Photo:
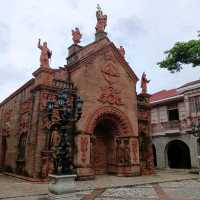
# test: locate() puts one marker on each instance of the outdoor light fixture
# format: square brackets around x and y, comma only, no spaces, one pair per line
[63,113]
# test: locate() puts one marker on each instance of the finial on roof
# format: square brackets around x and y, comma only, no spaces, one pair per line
[144,82]
[98,7]
[121,50]
[76,35]
[101,20]
[45,54]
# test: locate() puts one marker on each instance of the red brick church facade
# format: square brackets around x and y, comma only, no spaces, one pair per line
[113,132]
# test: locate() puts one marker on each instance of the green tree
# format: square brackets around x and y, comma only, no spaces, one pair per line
[180,54]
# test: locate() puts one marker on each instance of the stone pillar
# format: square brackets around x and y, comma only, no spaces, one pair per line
[144,124]
[100,35]
[82,159]
[43,76]
[72,53]
[43,80]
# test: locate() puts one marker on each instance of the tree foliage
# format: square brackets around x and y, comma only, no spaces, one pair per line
[182,53]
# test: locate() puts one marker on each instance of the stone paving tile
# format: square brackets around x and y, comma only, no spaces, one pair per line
[28,198]
[185,183]
[124,198]
[176,189]
[113,181]
[130,193]
[70,196]
[183,193]
[182,189]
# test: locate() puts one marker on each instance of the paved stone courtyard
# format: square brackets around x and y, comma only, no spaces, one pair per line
[164,185]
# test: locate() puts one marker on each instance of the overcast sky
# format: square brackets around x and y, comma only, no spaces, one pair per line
[145,28]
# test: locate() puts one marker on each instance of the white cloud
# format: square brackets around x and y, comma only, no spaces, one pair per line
[145,28]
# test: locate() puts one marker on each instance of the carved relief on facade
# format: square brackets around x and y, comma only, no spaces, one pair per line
[84,148]
[6,122]
[109,56]
[47,164]
[110,73]
[44,97]
[110,95]
[135,150]
[26,106]
[24,122]
[123,151]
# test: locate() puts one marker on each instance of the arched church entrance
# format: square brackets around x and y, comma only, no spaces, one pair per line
[110,130]
[105,133]
[178,155]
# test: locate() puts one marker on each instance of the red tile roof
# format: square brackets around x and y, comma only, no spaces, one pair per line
[163,94]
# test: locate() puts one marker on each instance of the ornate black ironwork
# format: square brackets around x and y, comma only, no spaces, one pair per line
[67,109]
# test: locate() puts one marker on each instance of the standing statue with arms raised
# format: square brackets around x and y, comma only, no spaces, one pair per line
[45,54]
[144,83]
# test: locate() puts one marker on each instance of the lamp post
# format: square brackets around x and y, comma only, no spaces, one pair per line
[196,133]
[63,113]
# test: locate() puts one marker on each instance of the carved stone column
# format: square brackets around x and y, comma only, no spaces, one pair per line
[144,124]
[82,158]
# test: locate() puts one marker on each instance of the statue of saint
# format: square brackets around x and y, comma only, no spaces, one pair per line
[101,20]
[45,54]
[144,82]
[122,51]
[55,138]
[76,35]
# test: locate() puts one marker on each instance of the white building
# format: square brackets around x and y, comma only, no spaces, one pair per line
[172,114]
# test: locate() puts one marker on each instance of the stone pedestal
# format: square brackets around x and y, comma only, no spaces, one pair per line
[60,186]
[100,35]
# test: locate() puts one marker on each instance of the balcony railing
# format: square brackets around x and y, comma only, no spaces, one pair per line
[166,126]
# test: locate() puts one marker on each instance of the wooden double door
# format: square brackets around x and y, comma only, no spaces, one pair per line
[103,155]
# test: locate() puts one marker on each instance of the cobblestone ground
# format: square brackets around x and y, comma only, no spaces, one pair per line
[181,187]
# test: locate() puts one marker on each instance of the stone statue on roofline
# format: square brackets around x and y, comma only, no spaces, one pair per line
[76,36]
[101,20]
[121,50]
[144,82]
[45,54]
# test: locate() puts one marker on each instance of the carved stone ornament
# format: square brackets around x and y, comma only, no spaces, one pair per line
[76,35]
[110,95]
[122,51]
[26,106]
[45,54]
[101,20]
[84,148]
[110,73]
[144,83]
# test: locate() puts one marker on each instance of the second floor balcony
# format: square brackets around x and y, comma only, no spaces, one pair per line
[175,126]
